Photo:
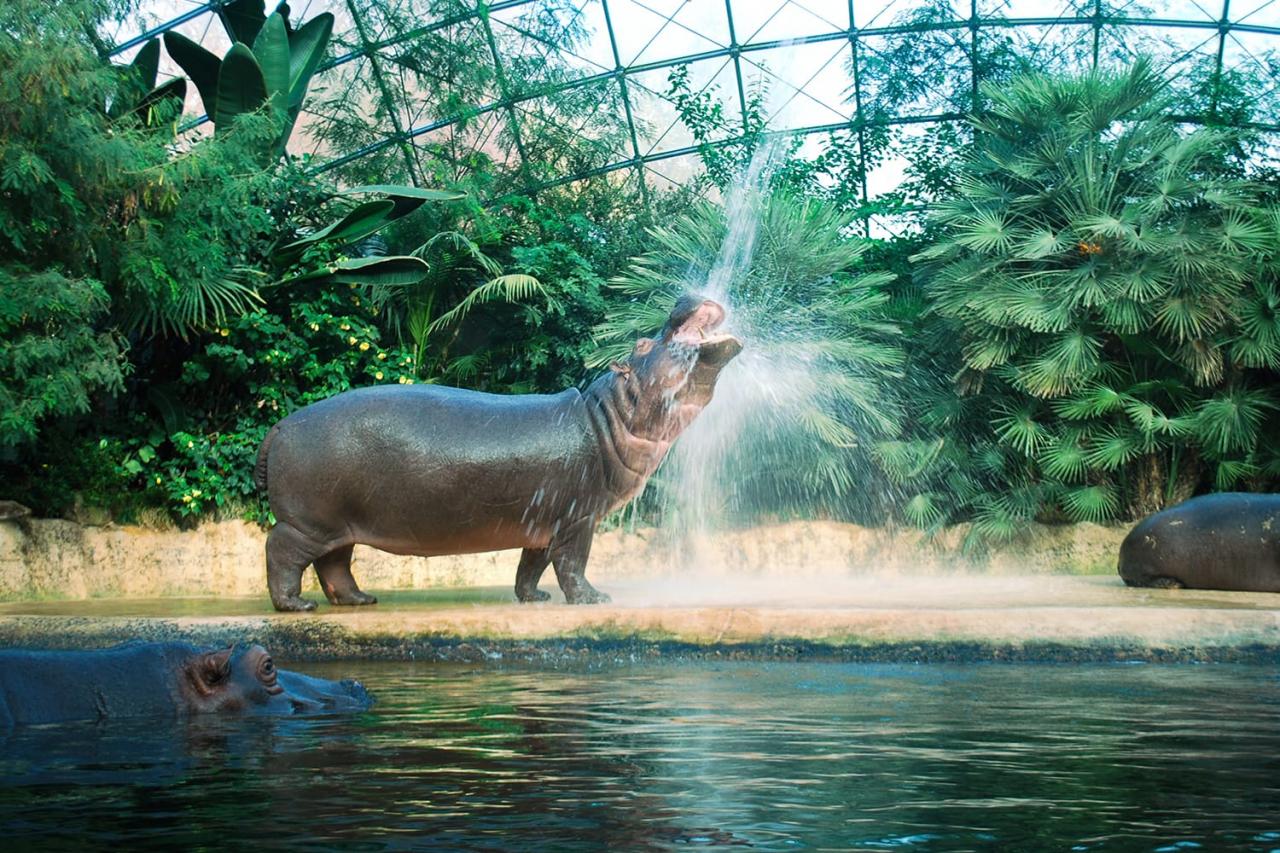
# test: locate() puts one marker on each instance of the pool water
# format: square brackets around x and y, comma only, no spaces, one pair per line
[773,756]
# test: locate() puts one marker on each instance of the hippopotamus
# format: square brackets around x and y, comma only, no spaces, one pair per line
[160,679]
[430,470]
[1222,541]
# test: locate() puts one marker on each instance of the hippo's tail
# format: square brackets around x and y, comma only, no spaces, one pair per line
[260,469]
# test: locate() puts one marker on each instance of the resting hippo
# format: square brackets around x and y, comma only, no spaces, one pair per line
[428,470]
[160,679]
[1224,541]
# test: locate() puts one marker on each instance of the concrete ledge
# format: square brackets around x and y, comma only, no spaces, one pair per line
[876,619]
[55,559]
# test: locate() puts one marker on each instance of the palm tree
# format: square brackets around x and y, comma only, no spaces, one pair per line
[1101,266]
[794,415]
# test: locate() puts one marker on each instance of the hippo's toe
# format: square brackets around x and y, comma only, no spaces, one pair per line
[533,595]
[295,604]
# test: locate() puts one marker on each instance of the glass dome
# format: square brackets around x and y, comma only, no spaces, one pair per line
[555,91]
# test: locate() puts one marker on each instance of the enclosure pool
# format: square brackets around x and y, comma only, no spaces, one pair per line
[689,754]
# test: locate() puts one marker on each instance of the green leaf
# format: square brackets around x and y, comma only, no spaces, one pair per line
[243,19]
[199,64]
[407,199]
[174,92]
[241,88]
[1095,503]
[306,48]
[364,220]
[394,271]
[271,49]
[146,65]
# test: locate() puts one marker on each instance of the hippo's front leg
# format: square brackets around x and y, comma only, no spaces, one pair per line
[569,556]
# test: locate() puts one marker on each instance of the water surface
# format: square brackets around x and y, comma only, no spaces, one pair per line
[671,756]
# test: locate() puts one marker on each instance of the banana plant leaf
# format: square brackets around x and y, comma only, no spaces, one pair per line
[394,271]
[241,88]
[199,64]
[271,49]
[243,19]
[146,65]
[174,91]
[364,220]
[407,199]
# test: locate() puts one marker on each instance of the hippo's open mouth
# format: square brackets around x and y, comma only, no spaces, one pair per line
[696,322]
[697,329]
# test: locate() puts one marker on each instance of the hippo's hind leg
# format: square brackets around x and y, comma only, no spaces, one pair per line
[337,581]
[289,552]
[569,556]
[533,562]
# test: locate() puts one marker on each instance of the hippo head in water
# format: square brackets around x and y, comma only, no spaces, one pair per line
[243,679]
[139,679]
[669,379]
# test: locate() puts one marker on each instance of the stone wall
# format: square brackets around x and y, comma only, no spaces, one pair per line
[47,558]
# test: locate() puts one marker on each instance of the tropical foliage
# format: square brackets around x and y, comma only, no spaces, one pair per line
[1102,269]
[1067,309]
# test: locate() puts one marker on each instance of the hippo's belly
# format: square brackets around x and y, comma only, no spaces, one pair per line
[430,471]
[1225,541]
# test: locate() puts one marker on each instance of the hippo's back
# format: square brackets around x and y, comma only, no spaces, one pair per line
[1223,541]
[133,679]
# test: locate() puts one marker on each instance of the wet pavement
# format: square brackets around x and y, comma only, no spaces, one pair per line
[860,618]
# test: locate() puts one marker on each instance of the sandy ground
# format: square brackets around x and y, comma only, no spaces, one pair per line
[867,618]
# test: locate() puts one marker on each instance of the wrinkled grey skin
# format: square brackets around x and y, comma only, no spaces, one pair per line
[427,470]
[1223,541]
[160,679]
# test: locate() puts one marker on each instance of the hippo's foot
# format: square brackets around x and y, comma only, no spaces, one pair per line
[1164,582]
[529,595]
[587,594]
[353,598]
[294,604]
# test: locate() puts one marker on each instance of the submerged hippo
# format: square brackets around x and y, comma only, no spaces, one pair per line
[428,470]
[160,679]
[1224,541]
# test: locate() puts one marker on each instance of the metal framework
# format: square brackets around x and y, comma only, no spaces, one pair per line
[1240,40]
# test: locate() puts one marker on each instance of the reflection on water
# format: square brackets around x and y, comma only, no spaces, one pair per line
[772,756]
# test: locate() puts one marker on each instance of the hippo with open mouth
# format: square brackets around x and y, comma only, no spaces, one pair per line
[160,679]
[429,470]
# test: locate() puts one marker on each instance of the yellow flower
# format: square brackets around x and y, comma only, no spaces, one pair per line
[157,481]
[191,444]
[195,493]
[408,381]
[315,327]
[382,356]
[186,499]
[346,327]
[364,345]
[401,380]
[378,375]
[351,341]
[224,332]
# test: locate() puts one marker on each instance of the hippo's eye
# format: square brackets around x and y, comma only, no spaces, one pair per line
[267,671]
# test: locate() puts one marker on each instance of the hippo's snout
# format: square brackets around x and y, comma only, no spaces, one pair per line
[308,695]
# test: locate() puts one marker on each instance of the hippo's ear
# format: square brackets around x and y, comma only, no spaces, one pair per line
[623,370]
[209,670]
[644,345]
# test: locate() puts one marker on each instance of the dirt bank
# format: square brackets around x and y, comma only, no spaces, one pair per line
[55,559]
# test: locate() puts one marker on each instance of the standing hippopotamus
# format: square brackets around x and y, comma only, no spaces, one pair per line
[160,679]
[1223,541]
[428,470]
